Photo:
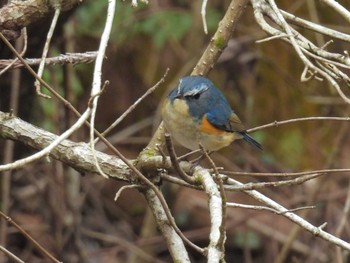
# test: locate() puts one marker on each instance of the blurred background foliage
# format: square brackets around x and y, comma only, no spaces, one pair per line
[262,83]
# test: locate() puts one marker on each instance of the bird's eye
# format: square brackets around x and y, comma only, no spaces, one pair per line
[196,96]
[193,96]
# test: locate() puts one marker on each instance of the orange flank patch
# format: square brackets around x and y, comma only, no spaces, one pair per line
[207,127]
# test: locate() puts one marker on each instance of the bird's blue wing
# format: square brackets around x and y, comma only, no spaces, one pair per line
[225,120]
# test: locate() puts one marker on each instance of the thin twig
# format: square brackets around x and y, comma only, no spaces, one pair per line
[123,242]
[180,182]
[46,50]
[203,13]
[342,222]
[278,123]
[53,91]
[258,207]
[96,82]
[10,255]
[14,61]
[306,50]
[29,237]
[252,186]
[169,144]
[121,189]
[134,105]
[9,145]
[46,151]
[325,171]
[316,231]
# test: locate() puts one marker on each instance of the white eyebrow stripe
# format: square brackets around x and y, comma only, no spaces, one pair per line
[200,89]
[179,87]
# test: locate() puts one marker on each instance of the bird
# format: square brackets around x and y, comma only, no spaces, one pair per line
[197,113]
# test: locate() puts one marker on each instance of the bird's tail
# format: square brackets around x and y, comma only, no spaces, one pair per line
[251,140]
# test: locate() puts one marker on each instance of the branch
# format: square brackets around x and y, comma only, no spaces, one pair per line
[254,186]
[79,157]
[68,58]
[338,8]
[278,123]
[319,63]
[221,37]
[215,247]
[76,155]
[174,242]
[96,82]
[30,238]
[27,12]
[316,231]
[315,27]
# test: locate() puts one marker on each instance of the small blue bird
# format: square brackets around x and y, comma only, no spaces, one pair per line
[196,112]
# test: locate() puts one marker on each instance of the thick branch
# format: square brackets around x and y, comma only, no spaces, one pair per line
[222,35]
[175,244]
[19,14]
[215,203]
[76,155]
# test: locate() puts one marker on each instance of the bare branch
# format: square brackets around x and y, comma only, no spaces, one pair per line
[76,155]
[315,27]
[117,195]
[133,106]
[215,248]
[221,37]
[342,222]
[145,257]
[47,150]
[96,82]
[27,12]
[338,8]
[175,244]
[29,237]
[46,50]
[316,59]
[252,186]
[203,13]
[174,161]
[316,231]
[258,207]
[13,61]
[10,255]
[278,123]
[69,58]
[324,171]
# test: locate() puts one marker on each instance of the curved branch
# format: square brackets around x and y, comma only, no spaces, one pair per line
[316,59]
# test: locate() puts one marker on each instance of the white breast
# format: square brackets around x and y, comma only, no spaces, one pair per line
[181,127]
